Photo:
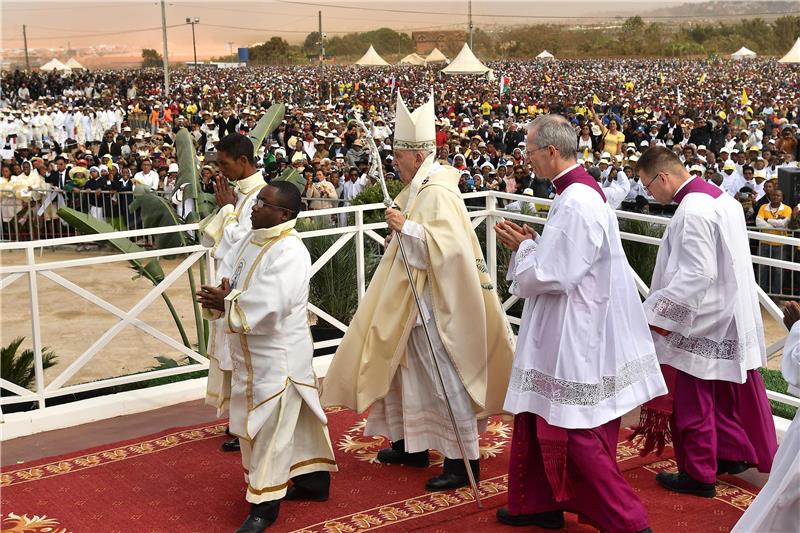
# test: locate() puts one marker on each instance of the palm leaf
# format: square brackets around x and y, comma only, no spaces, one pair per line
[189,177]
[292,176]
[157,212]
[266,125]
[20,369]
[88,225]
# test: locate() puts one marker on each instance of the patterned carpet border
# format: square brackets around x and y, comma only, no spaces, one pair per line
[112,455]
[408,509]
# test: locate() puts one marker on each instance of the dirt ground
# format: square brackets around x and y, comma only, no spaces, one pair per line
[71,324]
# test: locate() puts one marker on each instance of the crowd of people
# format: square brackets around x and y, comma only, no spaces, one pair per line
[102,132]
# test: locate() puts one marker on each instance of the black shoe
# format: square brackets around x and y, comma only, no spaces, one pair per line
[262,515]
[228,431]
[548,520]
[231,445]
[396,455]
[453,475]
[682,482]
[254,524]
[725,466]
[303,494]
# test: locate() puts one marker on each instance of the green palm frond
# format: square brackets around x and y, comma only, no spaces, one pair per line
[19,368]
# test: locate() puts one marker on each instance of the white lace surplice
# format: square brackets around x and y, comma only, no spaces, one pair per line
[584,353]
[704,292]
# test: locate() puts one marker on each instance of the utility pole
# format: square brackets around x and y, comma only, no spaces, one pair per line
[230,50]
[166,52]
[25,40]
[321,56]
[469,4]
[193,21]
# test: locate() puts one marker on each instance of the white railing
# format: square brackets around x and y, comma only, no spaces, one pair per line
[33,269]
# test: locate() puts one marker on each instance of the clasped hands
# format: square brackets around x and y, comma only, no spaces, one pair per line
[512,235]
[214,297]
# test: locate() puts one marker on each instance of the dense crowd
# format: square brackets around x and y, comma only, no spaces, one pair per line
[734,123]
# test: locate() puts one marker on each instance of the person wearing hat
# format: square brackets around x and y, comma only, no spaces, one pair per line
[356,153]
[384,360]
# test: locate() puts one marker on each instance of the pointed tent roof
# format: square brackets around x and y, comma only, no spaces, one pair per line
[413,59]
[544,54]
[371,59]
[74,64]
[53,64]
[793,55]
[743,52]
[466,63]
[436,57]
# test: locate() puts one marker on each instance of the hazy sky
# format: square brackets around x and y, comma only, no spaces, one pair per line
[136,24]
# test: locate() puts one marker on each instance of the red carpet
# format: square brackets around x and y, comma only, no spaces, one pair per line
[178,481]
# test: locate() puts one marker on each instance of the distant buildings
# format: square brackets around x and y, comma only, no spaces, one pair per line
[426,41]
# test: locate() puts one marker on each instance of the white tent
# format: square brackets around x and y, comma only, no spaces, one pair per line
[54,64]
[436,57]
[545,55]
[74,65]
[793,55]
[466,63]
[413,59]
[743,53]
[371,59]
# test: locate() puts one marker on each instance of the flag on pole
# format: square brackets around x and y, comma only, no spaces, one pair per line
[702,78]
[595,99]
[394,82]
[505,85]
[547,78]
[661,79]
[744,97]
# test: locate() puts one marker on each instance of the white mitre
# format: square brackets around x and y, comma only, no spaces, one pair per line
[417,130]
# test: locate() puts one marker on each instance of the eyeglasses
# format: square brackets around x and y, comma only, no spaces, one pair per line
[261,203]
[647,187]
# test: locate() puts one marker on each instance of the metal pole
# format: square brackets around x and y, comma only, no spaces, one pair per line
[166,52]
[230,50]
[470,22]
[25,40]
[194,46]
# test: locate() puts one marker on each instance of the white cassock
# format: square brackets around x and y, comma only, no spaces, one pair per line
[584,352]
[414,409]
[706,295]
[221,232]
[777,506]
[275,409]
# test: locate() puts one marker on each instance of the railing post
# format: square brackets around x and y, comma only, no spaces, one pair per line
[361,274]
[491,237]
[35,326]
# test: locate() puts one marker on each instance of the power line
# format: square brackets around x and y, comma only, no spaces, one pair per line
[90,34]
[516,16]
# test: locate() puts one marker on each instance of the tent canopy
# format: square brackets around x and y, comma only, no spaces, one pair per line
[743,53]
[371,59]
[413,59]
[545,55]
[73,64]
[466,63]
[436,57]
[54,64]
[793,55]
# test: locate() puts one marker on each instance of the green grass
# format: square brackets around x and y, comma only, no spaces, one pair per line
[774,381]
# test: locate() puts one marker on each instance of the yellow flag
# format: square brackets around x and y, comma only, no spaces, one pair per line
[661,79]
[547,78]
[585,154]
[702,77]
[744,97]
[595,99]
